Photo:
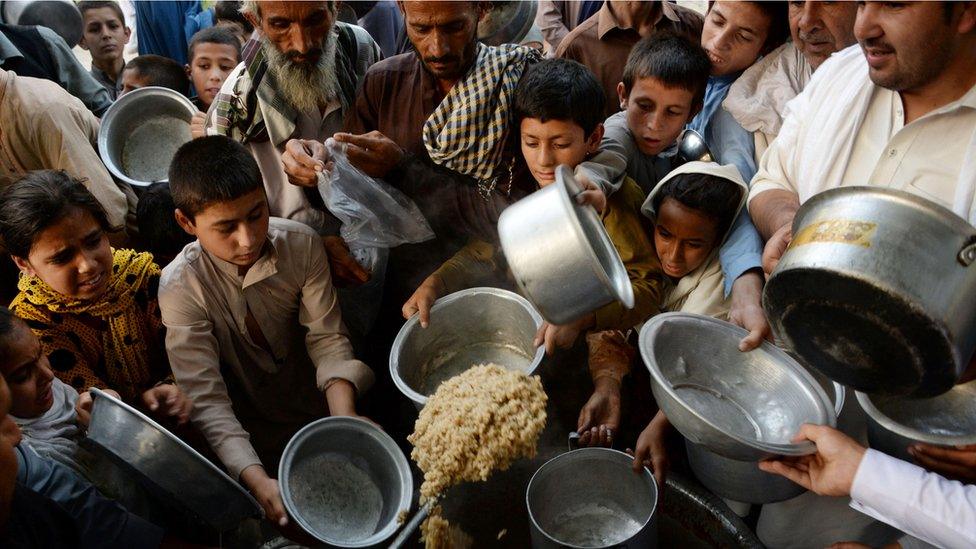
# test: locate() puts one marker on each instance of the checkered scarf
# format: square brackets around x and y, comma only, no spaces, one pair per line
[467,131]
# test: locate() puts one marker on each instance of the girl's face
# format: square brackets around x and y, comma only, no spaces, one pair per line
[683,238]
[734,35]
[72,256]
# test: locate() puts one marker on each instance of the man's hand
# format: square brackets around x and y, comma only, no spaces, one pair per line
[775,248]
[651,451]
[746,310]
[600,417]
[830,471]
[346,271]
[373,153]
[423,299]
[83,406]
[957,463]
[167,400]
[198,125]
[265,490]
[562,336]
[303,160]
[591,194]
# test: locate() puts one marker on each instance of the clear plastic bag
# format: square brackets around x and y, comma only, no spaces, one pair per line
[373,214]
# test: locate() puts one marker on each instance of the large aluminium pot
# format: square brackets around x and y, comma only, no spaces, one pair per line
[877,291]
[61,16]
[591,498]
[894,423]
[560,254]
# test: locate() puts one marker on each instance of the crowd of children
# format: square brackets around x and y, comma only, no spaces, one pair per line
[212,309]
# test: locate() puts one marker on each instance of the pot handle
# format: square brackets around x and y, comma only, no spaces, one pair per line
[410,527]
[968,253]
[572,441]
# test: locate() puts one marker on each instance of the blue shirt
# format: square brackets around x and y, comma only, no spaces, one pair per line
[730,143]
[165,28]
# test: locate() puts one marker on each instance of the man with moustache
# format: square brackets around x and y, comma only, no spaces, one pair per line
[757,100]
[898,112]
[297,80]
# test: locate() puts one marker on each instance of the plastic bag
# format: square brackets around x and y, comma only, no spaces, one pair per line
[373,214]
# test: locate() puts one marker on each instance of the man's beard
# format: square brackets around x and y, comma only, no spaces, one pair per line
[305,86]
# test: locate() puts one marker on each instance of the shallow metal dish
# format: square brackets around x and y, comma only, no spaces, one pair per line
[345,482]
[896,422]
[467,328]
[744,406]
[168,467]
[560,254]
[141,131]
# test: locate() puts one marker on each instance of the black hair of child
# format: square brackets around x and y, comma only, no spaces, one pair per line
[712,196]
[9,322]
[86,5]
[671,58]
[230,10]
[560,89]
[160,71]
[39,200]
[214,35]
[779,24]
[211,169]
[158,229]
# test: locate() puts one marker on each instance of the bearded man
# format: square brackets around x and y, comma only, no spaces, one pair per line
[297,80]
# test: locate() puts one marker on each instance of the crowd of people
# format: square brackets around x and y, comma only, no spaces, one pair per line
[215,301]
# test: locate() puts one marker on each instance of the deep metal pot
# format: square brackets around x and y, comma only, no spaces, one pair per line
[141,131]
[166,465]
[507,22]
[61,16]
[560,254]
[591,498]
[743,480]
[345,481]
[744,406]
[467,328]
[876,291]
[894,423]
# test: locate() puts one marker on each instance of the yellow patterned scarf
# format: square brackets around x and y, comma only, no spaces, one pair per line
[123,345]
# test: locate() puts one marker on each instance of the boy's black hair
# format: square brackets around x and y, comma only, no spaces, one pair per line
[158,228]
[560,89]
[712,196]
[214,35]
[671,58]
[39,200]
[211,169]
[779,24]
[86,5]
[230,10]
[160,71]
[9,323]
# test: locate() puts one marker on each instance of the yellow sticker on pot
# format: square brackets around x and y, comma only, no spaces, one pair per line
[842,231]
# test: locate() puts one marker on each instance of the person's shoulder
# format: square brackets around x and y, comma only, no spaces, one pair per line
[291,233]
[182,269]
[575,42]
[397,64]
[628,196]
[38,96]
[688,16]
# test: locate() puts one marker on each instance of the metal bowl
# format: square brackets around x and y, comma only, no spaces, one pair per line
[743,480]
[591,498]
[166,465]
[141,131]
[562,258]
[467,328]
[345,482]
[894,423]
[692,147]
[61,16]
[507,22]
[744,406]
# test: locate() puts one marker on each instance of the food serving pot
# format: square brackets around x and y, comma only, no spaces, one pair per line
[560,254]
[166,465]
[876,290]
[591,498]
[467,328]
[744,406]
[141,131]
[894,423]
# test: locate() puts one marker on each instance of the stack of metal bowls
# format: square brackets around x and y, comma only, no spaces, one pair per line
[467,328]
[345,482]
[141,131]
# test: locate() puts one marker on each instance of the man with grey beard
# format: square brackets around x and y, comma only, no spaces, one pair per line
[297,79]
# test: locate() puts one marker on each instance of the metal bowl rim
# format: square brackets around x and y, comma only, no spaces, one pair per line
[411,324]
[788,449]
[893,426]
[119,105]
[97,393]
[621,457]
[354,424]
